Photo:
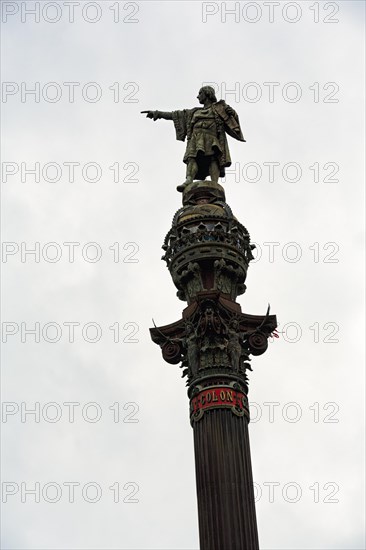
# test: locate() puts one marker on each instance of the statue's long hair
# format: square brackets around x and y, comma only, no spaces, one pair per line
[210,93]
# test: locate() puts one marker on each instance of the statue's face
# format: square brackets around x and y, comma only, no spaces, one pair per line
[201,96]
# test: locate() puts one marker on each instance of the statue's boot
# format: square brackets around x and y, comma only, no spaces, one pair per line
[182,186]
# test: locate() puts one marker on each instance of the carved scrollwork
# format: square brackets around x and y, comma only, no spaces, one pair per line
[257,343]
[172,352]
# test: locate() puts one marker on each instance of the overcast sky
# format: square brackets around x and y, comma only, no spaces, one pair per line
[109,451]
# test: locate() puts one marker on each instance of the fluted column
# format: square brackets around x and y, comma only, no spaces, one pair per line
[225,494]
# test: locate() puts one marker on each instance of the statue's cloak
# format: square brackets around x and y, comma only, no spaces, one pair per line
[231,121]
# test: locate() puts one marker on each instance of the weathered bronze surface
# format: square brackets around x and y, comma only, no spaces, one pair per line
[207,152]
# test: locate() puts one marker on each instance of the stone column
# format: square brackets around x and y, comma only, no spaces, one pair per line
[208,252]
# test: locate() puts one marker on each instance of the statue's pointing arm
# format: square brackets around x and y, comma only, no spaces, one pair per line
[155,115]
[180,118]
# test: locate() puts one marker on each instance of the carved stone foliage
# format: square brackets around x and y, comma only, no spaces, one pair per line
[214,339]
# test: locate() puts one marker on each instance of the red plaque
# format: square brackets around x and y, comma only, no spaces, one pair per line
[218,397]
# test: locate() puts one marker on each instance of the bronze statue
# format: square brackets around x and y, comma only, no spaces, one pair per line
[207,152]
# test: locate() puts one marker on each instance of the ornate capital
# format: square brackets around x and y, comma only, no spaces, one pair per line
[208,252]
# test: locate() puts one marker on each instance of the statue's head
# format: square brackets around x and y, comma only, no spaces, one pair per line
[206,92]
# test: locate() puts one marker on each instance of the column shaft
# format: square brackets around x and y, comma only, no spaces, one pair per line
[225,493]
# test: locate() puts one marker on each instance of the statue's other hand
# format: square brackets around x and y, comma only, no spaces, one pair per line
[149,114]
[230,111]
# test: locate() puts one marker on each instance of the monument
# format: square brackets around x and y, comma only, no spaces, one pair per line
[208,251]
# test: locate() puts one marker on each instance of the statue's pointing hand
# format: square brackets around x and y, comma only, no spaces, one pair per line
[151,114]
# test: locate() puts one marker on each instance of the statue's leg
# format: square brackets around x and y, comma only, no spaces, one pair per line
[192,169]
[214,170]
